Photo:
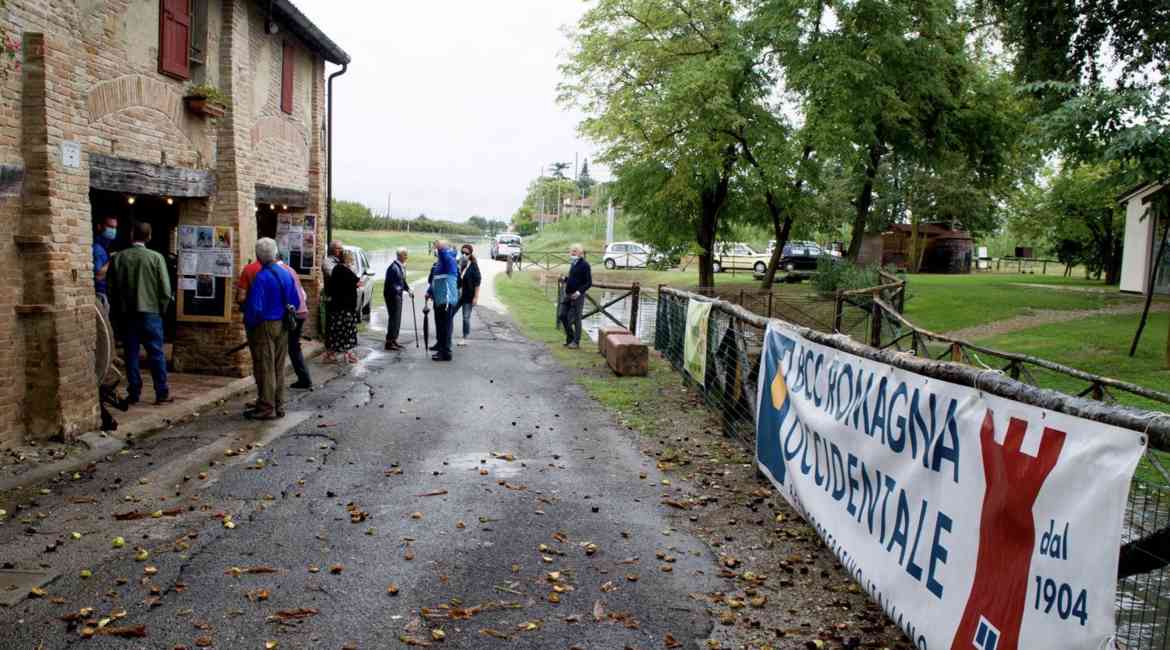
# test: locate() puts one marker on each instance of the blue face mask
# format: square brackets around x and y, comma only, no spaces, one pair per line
[110,234]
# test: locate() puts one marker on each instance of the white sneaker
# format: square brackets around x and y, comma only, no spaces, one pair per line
[462,342]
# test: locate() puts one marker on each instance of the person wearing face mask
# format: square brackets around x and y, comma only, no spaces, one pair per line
[579,280]
[104,234]
[469,281]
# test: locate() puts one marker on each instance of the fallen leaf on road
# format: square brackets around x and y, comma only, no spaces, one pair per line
[126,632]
[507,455]
[293,614]
[239,571]
[204,642]
[37,592]
[675,504]
[392,589]
[436,493]
[336,569]
[133,515]
[412,641]
[495,634]
[271,645]
[598,610]
[671,642]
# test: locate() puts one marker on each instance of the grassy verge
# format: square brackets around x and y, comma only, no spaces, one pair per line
[377,240]
[942,303]
[631,397]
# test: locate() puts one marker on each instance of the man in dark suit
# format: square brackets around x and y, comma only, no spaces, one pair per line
[392,291]
[579,280]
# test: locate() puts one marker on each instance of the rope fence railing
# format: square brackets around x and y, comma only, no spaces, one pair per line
[728,385]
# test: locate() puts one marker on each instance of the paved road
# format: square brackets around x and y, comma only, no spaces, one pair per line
[535,497]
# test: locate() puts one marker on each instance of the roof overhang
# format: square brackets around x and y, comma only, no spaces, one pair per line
[287,15]
[1138,189]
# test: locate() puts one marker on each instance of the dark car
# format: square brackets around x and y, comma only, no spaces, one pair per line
[799,260]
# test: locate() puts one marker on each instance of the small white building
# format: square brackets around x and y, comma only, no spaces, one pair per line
[1141,242]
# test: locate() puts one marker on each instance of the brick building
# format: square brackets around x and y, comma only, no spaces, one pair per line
[93,122]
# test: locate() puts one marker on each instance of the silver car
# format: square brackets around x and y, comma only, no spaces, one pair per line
[361,268]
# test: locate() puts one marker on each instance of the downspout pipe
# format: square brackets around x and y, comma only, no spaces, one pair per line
[329,159]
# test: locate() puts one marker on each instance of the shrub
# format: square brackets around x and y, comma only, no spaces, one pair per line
[835,274]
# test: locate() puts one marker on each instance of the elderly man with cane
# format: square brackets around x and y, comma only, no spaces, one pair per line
[269,316]
[392,293]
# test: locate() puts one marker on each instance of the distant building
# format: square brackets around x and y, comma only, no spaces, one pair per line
[1141,241]
[945,250]
[573,206]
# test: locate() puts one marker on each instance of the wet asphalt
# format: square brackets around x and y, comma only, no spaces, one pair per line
[478,491]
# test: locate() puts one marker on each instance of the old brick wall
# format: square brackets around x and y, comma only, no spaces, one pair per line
[93,78]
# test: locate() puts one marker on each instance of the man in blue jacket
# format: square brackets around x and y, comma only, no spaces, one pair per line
[579,280]
[442,288]
[270,295]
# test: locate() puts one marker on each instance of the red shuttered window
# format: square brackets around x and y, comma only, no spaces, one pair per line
[286,79]
[174,38]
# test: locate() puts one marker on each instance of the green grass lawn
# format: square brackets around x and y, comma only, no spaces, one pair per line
[377,240]
[587,231]
[534,312]
[1099,345]
[942,303]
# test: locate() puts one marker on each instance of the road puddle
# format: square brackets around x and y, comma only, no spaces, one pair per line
[497,467]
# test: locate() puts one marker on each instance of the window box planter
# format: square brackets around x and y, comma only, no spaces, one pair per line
[203,106]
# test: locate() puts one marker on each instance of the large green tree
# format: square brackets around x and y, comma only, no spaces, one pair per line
[660,84]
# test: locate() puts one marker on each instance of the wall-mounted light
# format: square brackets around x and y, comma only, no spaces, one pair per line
[272,206]
[271,27]
[130,200]
[170,201]
[284,207]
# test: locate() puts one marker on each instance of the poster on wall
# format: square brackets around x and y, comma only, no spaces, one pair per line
[974,520]
[206,266]
[308,245]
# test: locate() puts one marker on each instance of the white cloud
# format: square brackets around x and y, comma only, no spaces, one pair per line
[450,105]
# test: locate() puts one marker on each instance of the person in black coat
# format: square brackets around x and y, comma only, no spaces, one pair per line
[579,280]
[341,326]
[469,281]
[392,291]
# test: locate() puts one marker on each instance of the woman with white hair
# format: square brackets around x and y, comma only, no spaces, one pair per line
[341,325]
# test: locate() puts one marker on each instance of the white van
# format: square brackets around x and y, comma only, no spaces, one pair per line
[506,245]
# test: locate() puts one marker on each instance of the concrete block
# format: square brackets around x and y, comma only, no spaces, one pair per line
[605,332]
[627,356]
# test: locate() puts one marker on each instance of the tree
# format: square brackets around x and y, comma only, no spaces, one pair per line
[523,222]
[877,82]
[659,83]
[584,181]
[479,222]
[558,170]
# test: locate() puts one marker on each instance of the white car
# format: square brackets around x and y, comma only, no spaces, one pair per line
[739,256]
[627,255]
[506,245]
[361,268]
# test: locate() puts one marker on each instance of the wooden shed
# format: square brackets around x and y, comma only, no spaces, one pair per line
[946,250]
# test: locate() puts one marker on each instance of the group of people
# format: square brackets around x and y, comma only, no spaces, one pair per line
[135,287]
[452,285]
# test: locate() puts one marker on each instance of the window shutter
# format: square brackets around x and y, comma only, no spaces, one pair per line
[286,80]
[174,39]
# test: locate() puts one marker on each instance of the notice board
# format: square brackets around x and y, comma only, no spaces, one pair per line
[206,269]
[296,238]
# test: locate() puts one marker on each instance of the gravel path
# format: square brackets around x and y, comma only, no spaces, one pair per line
[1045,317]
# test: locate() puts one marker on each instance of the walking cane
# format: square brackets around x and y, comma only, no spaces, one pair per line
[426,325]
[414,312]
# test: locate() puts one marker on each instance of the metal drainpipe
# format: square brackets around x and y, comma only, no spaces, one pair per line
[329,163]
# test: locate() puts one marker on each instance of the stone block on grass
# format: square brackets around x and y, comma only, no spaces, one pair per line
[604,333]
[627,356]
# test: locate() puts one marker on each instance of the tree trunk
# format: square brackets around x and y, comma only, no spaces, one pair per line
[864,201]
[711,204]
[781,228]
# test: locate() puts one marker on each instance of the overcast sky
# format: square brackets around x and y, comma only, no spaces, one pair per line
[450,105]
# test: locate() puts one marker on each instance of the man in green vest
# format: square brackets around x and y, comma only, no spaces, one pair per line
[140,292]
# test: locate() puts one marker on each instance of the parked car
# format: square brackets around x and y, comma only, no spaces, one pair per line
[740,257]
[799,260]
[365,274]
[506,245]
[628,255]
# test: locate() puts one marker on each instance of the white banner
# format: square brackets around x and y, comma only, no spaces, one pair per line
[695,344]
[975,521]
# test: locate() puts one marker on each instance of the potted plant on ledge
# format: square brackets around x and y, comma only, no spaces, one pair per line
[205,99]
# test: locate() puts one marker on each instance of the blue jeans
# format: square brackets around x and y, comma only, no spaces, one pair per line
[467,307]
[145,330]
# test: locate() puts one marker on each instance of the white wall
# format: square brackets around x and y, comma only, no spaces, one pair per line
[1139,244]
